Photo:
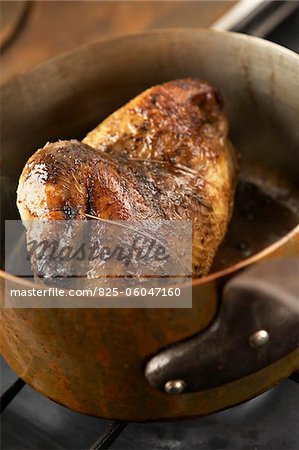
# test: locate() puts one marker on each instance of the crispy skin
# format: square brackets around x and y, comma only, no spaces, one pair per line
[164,155]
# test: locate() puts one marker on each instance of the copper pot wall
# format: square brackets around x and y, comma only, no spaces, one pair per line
[92,360]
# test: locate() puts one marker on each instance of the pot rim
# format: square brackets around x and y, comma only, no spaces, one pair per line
[257,257]
[163,31]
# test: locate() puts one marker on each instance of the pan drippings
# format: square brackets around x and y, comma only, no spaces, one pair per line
[261,216]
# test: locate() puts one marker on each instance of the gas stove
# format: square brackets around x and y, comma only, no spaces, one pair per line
[31,421]
[270,421]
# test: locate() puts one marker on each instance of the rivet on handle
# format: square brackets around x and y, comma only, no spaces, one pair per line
[259,338]
[175,386]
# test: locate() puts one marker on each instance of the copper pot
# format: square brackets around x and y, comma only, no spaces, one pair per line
[102,361]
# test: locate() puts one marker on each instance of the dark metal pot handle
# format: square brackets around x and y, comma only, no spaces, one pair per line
[257,324]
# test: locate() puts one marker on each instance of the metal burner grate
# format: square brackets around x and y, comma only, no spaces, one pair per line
[107,437]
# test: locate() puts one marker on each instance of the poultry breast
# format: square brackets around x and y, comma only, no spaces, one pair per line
[164,155]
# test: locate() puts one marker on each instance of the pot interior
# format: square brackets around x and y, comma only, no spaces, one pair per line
[67,96]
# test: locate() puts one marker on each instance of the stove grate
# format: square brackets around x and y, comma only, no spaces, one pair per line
[10,393]
[113,430]
[108,436]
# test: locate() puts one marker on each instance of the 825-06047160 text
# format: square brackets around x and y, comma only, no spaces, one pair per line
[97,291]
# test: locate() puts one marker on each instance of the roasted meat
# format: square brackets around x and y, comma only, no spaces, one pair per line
[164,155]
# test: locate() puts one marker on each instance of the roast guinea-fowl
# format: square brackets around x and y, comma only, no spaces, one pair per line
[164,155]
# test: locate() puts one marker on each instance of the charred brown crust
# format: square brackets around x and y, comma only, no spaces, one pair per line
[164,155]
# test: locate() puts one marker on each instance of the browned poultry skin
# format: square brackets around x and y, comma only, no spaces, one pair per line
[164,155]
